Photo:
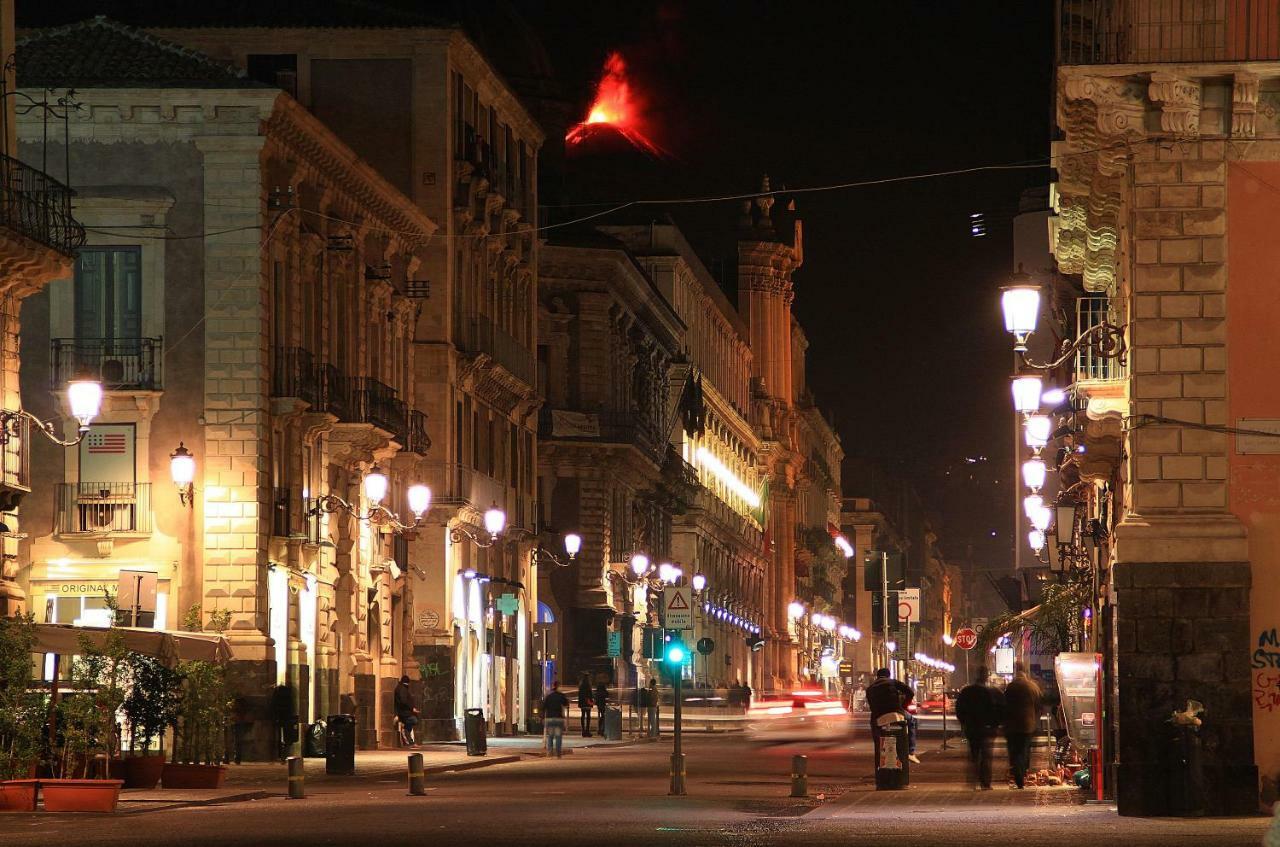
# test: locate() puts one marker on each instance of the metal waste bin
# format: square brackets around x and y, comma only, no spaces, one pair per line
[893,768]
[475,730]
[611,725]
[340,745]
[1186,772]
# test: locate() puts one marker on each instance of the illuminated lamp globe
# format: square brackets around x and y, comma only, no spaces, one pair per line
[828,623]
[419,497]
[816,619]
[495,520]
[795,610]
[1035,538]
[1033,473]
[856,634]
[1053,397]
[891,646]
[1036,431]
[84,396]
[947,639]
[699,582]
[664,572]
[1031,503]
[1020,303]
[639,564]
[676,573]
[1041,518]
[375,486]
[182,466]
[573,544]
[1026,394]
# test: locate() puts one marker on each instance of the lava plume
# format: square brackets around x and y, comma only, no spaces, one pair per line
[616,106]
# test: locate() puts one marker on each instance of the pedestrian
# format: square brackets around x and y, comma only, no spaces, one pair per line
[602,703]
[406,711]
[653,708]
[978,708]
[886,696]
[746,697]
[1022,698]
[555,706]
[241,726]
[285,717]
[585,703]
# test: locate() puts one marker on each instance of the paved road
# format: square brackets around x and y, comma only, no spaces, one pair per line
[738,794]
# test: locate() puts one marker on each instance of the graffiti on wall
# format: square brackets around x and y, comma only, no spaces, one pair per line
[1266,671]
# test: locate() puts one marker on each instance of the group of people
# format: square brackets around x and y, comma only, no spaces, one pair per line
[982,710]
[555,711]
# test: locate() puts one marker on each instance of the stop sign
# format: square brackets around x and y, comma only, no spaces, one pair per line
[966,639]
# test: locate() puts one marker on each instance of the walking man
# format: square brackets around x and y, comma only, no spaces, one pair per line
[886,696]
[602,703]
[1021,719]
[406,712]
[554,708]
[584,703]
[653,708]
[978,709]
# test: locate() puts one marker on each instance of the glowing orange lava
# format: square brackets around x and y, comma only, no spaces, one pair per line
[616,106]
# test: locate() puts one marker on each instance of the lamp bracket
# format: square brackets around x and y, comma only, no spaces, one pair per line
[1105,339]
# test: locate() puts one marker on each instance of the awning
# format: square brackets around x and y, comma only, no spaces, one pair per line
[168,647]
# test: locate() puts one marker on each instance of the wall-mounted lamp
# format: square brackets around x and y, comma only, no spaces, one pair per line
[182,468]
[84,396]
[495,520]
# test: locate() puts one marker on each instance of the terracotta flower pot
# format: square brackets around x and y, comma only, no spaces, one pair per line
[18,795]
[193,776]
[143,771]
[80,795]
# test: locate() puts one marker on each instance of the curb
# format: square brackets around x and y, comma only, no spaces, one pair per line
[470,766]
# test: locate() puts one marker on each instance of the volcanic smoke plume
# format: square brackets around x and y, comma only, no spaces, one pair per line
[615,109]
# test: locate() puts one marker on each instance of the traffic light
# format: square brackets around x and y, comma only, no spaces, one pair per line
[676,652]
[874,581]
[877,611]
[654,638]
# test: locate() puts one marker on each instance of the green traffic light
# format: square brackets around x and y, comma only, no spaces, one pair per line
[675,653]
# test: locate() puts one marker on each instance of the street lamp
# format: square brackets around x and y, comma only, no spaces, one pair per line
[1020,303]
[665,572]
[845,546]
[182,468]
[1033,473]
[1066,523]
[1031,503]
[699,582]
[1035,540]
[1041,518]
[84,396]
[494,521]
[374,486]
[419,497]
[795,610]
[572,546]
[639,564]
[1036,431]
[1026,394]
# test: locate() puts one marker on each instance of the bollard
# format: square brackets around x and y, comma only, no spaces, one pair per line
[799,776]
[417,776]
[677,774]
[297,785]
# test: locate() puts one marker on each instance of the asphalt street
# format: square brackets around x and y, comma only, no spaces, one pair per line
[738,794]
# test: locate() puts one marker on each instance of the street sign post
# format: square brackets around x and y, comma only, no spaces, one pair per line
[966,639]
[615,644]
[909,605]
[677,607]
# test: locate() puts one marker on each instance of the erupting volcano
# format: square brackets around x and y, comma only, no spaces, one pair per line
[615,107]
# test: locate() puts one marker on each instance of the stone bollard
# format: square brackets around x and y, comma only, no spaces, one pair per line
[677,775]
[417,776]
[799,776]
[297,783]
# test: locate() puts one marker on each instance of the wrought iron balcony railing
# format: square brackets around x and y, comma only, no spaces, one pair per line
[120,364]
[335,392]
[294,374]
[479,335]
[419,441]
[16,480]
[1117,32]
[376,403]
[101,507]
[1092,311]
[604,426]
[38,206]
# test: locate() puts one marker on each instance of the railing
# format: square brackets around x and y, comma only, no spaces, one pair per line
[604,426]
[335,392]
[38,206]
[1110,32]
[17,457]
[283,500]
[479,335]
[99,507]
[1092,311]
[458,485]
[120,364]
[376,403]
[294,374]
[419,442]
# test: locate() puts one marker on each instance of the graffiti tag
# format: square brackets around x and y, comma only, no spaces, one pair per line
[432,670]
[1264,657]
[1266,666]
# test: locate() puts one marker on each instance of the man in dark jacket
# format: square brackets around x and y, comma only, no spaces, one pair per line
[584,703]
[1021,720]
[602,703]
[554,708]
[979,708]
[406,711]
[885,696]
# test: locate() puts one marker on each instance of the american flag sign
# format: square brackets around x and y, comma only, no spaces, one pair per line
[106,442]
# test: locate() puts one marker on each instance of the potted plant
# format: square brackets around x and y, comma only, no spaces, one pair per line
[150,707]
[22,715]
[199,733]
[86,730]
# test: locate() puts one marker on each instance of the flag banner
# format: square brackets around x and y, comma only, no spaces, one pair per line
[107,454]
[568,424]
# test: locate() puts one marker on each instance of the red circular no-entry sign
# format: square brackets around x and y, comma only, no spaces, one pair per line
[966,639]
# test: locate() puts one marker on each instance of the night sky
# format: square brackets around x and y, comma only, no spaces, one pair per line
[898,300]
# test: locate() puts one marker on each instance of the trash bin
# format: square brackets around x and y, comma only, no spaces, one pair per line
[340,745]
[611,728]
[1186,772]
[473,727]
[892,765]
[314,742]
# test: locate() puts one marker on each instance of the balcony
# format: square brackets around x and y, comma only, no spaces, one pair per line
[1092,311]
[1115,32]
[102,507]
[419,442]
[376,403]
[16,481]
[295,375]
[120,364]
[38,206]
[334,392]
[480,336]
[603,426]
[458,485]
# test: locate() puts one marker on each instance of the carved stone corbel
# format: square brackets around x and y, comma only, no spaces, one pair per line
[1179,100]
[1244,105]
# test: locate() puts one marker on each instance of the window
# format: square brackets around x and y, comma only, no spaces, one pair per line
[108,293]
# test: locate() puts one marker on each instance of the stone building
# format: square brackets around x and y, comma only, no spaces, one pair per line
[428,112]
[1167,166]
[245,295]
[38,240]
